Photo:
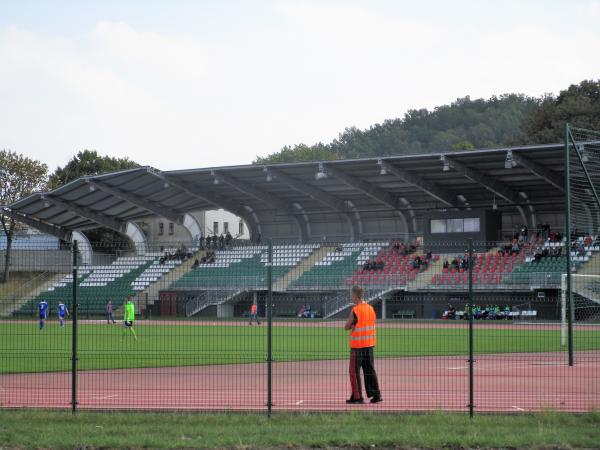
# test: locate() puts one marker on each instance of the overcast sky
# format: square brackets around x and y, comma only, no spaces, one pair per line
[181,84]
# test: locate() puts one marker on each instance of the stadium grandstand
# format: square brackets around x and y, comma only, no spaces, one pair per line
[396,225]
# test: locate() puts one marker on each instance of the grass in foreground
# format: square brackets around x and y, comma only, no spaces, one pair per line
[59,429]
[24,349]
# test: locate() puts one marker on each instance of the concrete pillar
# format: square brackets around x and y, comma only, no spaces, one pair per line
[383,308]
[225,310]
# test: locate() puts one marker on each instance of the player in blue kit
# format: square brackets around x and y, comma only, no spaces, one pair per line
[43,310]
[62,310]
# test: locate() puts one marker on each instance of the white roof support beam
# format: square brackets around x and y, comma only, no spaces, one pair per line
[266,198]
[542,172]
[153,207]
[488,182]
[217,201]
[83,211]
[429,188]
[316,194]
[324,198]
[252,191]
[53,230]
[367,188]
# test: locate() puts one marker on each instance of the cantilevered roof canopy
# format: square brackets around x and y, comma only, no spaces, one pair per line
[308,200]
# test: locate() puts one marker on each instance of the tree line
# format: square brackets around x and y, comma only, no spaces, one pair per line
[505,120]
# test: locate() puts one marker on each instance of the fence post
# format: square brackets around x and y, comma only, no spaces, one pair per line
[74,332]
[570,313]
[470,312]
[270,330]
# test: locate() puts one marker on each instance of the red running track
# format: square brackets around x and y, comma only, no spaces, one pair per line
[503,383]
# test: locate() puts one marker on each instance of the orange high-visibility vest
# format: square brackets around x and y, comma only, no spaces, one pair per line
[363,333]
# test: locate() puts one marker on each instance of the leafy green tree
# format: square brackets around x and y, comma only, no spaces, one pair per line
[464,124]
[578,105]
[88,162]
[19,177]
[300,152]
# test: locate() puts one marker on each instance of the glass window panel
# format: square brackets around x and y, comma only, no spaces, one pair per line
[438,226]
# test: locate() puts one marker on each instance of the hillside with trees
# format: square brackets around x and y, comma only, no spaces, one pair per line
[504,120]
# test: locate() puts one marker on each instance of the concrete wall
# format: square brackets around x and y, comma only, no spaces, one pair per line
[38,260]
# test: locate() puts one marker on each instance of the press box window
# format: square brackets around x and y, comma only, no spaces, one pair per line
[171,228]
[241,228]
[225,227]
[438,226]
[216,227]
[469,225]
[161,228]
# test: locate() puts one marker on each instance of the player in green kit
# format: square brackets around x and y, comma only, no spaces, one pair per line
[129,317]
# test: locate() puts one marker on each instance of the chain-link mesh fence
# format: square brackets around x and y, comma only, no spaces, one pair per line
[253,327]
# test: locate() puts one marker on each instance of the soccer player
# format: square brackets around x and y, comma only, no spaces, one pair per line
[62,310]
[129,317]
[43,310]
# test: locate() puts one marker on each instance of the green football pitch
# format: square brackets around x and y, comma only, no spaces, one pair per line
[23,348]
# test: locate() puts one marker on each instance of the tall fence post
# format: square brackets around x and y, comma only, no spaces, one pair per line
[270,330]
[74,332]
[570,311]
[470,312]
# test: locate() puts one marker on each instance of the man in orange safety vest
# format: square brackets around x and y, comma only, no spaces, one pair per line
[363,338]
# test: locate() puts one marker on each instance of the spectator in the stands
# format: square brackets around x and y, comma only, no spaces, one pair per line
[545,230]
[228,239]
[380,265]
[428,255]
[580,248]
[523,234]
[367,265]
[446,264]
[515,246]
[196,263]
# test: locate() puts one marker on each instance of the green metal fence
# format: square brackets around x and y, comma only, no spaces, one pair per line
[461,326]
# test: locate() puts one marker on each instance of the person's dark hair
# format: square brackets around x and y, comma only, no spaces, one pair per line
[358,291]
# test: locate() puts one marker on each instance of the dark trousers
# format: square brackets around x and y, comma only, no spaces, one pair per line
[363,357]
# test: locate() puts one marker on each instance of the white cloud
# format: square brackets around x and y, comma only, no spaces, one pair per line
[177,100]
